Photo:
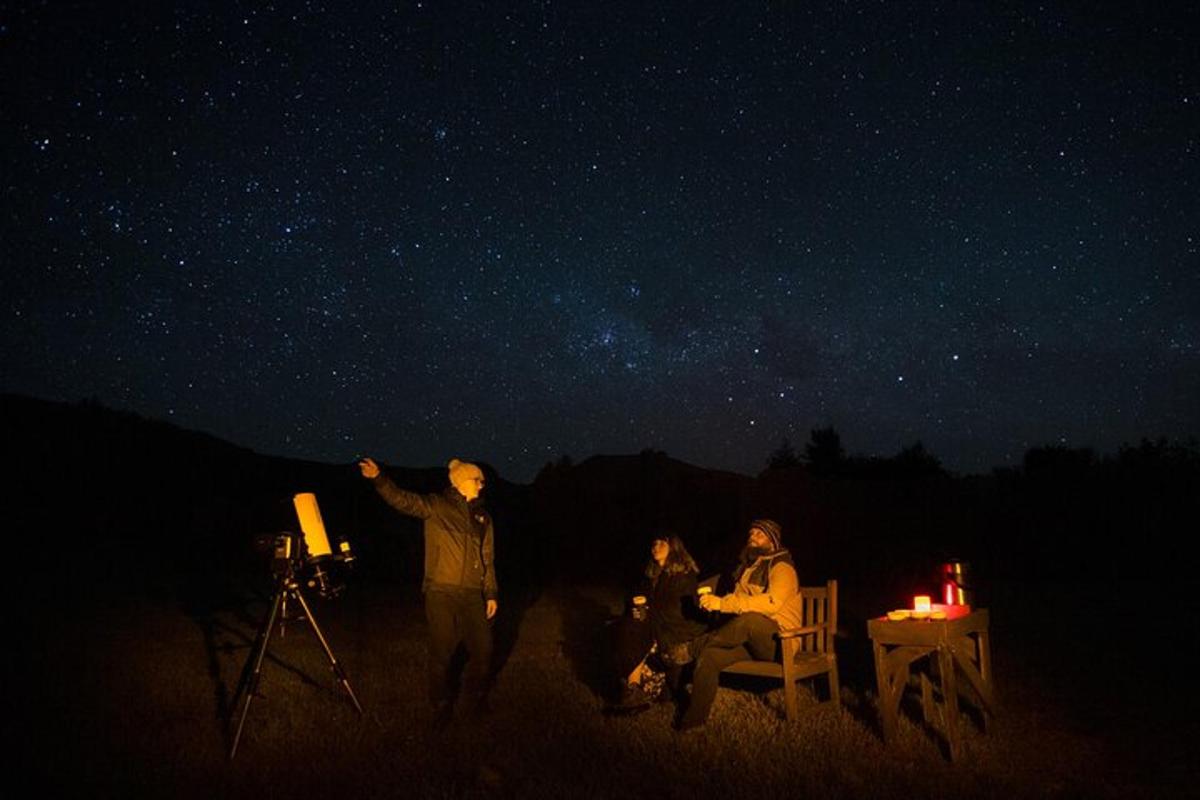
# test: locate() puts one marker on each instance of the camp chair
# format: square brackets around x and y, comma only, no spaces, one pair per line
[806,652]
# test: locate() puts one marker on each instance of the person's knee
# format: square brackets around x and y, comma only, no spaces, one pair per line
[706,664]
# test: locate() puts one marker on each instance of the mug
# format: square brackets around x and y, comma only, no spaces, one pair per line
[639,606]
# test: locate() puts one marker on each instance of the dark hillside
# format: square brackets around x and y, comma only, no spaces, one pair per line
[107,501]
[601,514]
[108,497]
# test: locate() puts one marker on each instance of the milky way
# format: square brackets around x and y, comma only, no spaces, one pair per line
[419,231]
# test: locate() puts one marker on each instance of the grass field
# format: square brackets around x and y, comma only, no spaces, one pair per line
[125,698]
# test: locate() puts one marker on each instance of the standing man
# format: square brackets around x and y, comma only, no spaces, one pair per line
[766,597]
[460,579]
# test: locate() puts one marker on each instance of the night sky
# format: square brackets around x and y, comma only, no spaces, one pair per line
[424,230]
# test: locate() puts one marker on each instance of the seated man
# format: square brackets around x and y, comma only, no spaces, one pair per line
[766,597]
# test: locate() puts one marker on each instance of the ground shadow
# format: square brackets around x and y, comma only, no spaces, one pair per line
[232,625]
[587,634]
[856,671]
[514,603]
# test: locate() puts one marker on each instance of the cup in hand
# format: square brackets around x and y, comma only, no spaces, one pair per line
[639,606]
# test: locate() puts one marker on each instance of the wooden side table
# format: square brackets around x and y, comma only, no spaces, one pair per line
[960,645]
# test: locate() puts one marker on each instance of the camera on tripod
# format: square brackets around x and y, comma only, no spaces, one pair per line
[293,551]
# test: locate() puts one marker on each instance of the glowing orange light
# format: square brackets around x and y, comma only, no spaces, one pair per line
[921,603]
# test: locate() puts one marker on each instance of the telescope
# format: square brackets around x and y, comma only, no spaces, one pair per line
[291,554]
[293,551]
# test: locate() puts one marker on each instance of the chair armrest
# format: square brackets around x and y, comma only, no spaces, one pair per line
[792,633]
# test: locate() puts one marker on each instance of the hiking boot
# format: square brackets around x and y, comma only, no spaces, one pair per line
[632,701]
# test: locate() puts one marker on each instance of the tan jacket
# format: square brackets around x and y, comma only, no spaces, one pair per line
[780,599]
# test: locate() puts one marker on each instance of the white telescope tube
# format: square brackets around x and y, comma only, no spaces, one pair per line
[311,524]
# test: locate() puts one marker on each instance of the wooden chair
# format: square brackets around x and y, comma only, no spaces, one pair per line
[806,652]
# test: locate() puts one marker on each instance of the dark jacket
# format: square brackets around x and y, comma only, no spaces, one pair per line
[459,538]
[674,615]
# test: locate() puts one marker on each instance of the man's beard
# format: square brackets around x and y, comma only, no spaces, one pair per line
[750,552]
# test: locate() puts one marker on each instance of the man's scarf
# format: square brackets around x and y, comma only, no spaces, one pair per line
[761,576]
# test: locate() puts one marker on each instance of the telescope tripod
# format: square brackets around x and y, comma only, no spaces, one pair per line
[286,587]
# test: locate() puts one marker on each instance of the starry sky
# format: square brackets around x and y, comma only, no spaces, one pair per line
[512,232]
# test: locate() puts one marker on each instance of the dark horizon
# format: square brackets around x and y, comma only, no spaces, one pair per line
[789,453]
[517,234]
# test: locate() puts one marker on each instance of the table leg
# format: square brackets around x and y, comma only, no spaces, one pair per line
[985,672]
[928,709]
[887,708]
[950,700]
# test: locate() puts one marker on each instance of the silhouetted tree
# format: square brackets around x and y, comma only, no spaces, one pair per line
[824,452]
[1159,455]
[915,461]
[783,456]
[552,468]
[1055,462]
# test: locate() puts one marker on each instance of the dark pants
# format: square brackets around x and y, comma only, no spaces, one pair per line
[745,636]
[457,616]
[631,641]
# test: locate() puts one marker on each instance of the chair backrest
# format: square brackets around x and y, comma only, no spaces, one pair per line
[820,609]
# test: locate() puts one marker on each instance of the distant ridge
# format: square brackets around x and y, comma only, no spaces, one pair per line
[109,492]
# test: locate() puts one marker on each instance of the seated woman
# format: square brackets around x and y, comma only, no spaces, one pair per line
[650,645]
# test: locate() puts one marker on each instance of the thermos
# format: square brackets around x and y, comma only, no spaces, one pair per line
[957,589]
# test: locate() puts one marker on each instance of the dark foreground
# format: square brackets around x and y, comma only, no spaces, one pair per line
[133,697]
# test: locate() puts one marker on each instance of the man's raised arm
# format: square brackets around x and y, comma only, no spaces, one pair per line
[410,503]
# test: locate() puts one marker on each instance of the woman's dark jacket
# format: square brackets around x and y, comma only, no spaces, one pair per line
[674,615]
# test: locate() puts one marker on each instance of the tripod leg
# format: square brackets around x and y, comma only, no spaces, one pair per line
[333,662]
[260,651]
[283,617]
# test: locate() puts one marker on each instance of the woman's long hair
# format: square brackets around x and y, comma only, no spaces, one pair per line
[679,560]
